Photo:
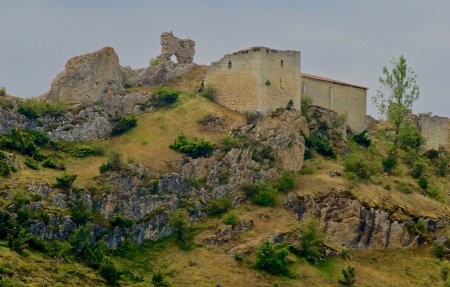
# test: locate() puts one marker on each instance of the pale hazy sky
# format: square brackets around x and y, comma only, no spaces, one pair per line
[348,40]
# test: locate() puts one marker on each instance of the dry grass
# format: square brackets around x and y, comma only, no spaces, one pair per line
[35,269]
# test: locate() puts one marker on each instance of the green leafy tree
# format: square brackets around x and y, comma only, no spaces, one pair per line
[397,94]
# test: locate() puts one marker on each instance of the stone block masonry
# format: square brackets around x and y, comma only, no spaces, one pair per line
[435,129]
[256,79]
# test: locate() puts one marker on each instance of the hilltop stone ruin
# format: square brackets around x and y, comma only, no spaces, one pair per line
[87,78]
[98,76]
[182,49]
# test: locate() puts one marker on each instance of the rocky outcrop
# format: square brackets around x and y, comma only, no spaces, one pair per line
[155,75]
[228,233]
[269,145]
[329,125]
[282,133]
[12,119]
[350,224]
[88,78]
[88,124]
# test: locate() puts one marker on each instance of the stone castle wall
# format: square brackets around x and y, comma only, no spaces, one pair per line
[346,99]
[435,129]
[256,79]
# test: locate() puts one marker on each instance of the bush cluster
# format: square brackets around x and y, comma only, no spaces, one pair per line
[82,151]
[311,244]
[359,166]
[28,143]
[220,206]
[94,253]
[65,180]
[164,97]
[123,124]
[193,147]
[321,145]
[33,108]
[5,167]
[261,194]
[114,163]
[362,139]
[272,257]
[231,218]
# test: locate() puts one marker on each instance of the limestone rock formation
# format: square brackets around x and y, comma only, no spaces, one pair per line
[88,78]
[350,224]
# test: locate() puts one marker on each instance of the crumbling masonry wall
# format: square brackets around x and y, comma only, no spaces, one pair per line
[256,79]
[183,49]
[435,129]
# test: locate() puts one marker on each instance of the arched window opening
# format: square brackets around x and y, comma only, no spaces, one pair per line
[229,64]
[174,59]
[282,63]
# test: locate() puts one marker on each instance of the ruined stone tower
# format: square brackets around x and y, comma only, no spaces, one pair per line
[257,79]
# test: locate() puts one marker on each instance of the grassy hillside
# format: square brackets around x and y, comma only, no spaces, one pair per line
[203,265]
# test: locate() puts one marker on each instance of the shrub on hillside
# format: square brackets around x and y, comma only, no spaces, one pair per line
[442,167]
[321,145]
[24,141]
[231,218]
[435,193]
[423,183]
[31,163]
[193,147]
[123,124]
[83,151]
[285,183]
[409,138]
[349,277]
[114,163]
[180,222]
[362,139]
[272,257]
[2,91]
[219,206]
[158,280]
[389,163]
[33,108]
[209,92]
[305,106]
[238,142]
[359,166]
[265,196]
[312,238]
[65,180]
[164,97]
[110,272]
[418,168]
[5,167]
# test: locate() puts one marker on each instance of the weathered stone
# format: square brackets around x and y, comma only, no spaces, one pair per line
[348,223]
[183,49]
[228,233]
[88,78]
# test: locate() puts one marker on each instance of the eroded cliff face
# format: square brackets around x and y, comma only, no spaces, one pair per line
[350,223]
[88,78]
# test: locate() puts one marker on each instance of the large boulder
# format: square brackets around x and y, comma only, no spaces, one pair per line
[88,78]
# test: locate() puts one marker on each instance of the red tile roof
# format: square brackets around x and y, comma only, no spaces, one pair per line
[331,80]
